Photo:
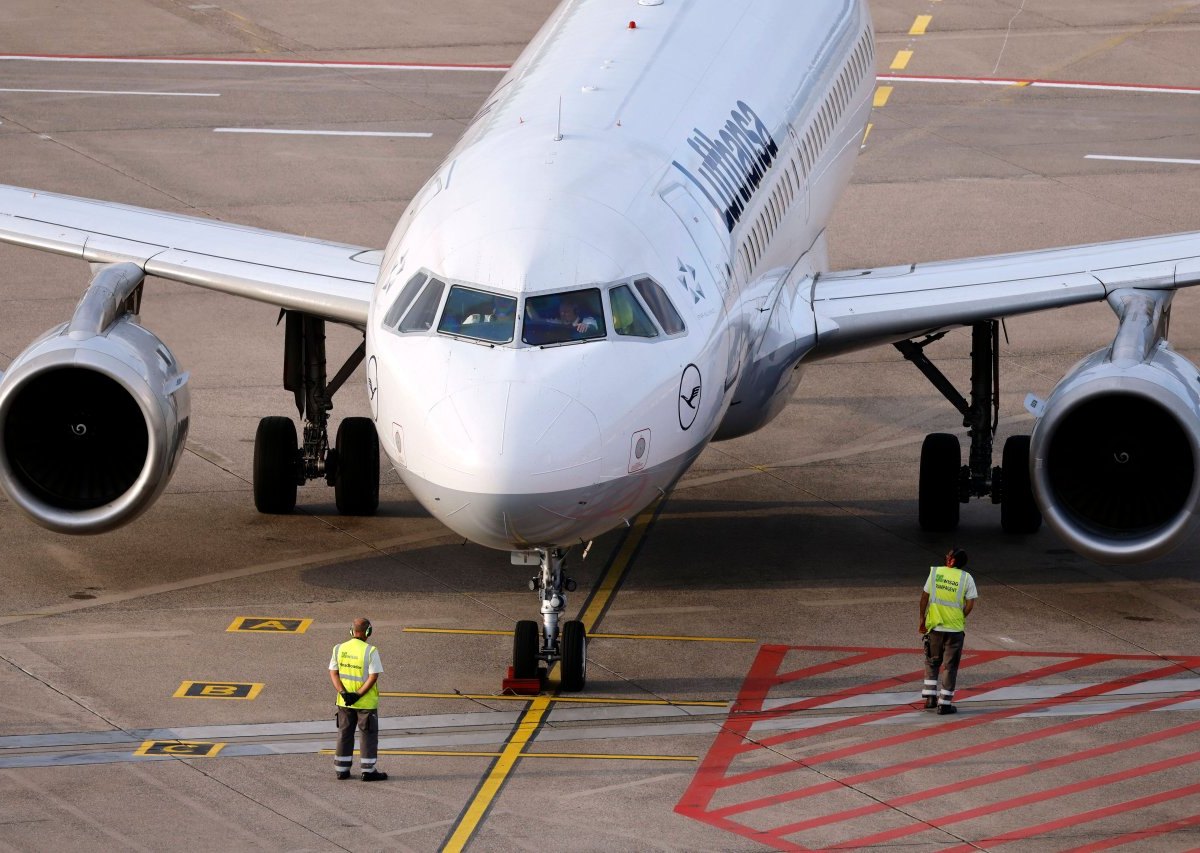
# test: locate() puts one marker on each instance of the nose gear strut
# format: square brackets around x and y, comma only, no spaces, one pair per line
[555,641]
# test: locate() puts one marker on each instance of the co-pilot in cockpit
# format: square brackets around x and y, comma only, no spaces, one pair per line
[479,315]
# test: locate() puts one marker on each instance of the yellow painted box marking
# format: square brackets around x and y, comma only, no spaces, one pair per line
[217,690]
[269,625]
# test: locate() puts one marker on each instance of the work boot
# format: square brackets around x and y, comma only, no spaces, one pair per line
[343,774]
[930,703]
[374,776]
[947,709]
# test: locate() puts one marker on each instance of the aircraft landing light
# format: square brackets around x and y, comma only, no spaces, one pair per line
[680,638]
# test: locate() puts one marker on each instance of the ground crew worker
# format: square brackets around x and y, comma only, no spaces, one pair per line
[946,602]
[354,670]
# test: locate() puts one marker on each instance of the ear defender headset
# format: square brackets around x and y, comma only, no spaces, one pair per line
[366,633]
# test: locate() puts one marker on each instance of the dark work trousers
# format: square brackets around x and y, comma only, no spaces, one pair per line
[943,649]
[348,719]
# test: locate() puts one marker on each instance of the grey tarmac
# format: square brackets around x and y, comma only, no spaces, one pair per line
[801,538]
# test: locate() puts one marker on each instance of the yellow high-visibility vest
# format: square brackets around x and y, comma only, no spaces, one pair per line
[946,601]
[353,659]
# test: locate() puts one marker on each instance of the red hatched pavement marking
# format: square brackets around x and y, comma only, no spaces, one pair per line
[716,776]
[1139,835]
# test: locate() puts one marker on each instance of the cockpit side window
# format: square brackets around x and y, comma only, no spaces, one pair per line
[404,300]
[660,304]
[629,317]
[421,316]
[560,318]
[480,315]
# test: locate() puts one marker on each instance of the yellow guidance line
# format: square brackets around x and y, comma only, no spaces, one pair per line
[620,564]
[881,96]
[471,817]
[583,700]
[920,25]
[469,822]
[672,637]
[902,59]
[588,756]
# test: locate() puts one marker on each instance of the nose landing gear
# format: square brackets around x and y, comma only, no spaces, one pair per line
[554,640]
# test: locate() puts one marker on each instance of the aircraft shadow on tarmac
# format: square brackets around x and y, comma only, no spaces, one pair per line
[698,544]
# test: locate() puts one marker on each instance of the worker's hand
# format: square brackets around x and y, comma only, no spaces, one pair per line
[921,629]
[349,698]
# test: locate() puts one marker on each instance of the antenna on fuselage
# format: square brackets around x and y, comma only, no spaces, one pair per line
[558,134]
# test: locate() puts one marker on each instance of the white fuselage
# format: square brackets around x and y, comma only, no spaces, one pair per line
[703,150]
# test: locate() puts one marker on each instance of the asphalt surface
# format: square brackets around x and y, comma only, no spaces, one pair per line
[791,559]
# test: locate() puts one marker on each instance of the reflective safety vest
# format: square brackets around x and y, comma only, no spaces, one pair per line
[353,659]
[946,601]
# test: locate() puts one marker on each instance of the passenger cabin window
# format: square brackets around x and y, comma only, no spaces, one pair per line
[424,310]
[561,318]
[479,315]
[629,317]
[404,300]
[660,305]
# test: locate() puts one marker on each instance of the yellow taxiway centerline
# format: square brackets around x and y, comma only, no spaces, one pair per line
[468,822]
[591,636]
[587,756]
[593,700]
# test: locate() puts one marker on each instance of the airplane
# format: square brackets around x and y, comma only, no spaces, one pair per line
[623,259]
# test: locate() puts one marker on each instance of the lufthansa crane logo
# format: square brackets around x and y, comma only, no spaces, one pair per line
[689,396]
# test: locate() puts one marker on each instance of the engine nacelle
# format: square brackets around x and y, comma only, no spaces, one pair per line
[92,420]
[1115,454]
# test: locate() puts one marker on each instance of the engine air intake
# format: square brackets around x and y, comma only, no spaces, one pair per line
[1121,465]
[75,438]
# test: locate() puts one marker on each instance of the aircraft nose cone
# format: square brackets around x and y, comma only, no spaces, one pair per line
[514,438]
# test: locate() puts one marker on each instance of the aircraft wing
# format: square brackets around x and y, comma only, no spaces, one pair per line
[328,280]
[861,308]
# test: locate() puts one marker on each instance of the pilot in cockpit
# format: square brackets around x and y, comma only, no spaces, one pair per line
[569,314]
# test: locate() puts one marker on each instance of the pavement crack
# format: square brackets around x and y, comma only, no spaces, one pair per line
[1007,34]
[72,699]
[258,803]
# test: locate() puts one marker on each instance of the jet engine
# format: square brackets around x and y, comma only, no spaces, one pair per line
[93,415]
[1115,452]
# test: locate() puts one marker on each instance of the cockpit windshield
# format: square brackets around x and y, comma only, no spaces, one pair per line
[559,318]
[479,315]
[632,309]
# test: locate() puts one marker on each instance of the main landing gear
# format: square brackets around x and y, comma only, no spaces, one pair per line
[553,640]
[945,482]
[281,464]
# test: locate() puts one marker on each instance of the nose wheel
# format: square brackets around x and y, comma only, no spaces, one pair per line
[554,640]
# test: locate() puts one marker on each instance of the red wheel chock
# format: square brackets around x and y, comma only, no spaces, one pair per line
[511,686]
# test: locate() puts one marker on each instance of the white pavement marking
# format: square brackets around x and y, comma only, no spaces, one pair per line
[320,132]
[115,92]
[1177,160]
[253,63]
[1043,84]
[89,638]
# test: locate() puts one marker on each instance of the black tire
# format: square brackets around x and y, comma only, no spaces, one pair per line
[937,494]
[356,482]
[525,649]
[276,457]
[1019,512]
[574,656]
